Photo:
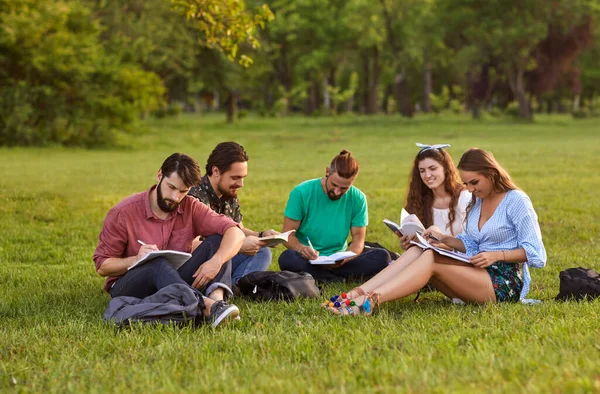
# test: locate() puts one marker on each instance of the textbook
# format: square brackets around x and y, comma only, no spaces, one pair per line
[456,255]
[333,259]
[175,258]
[274,240]
[410,224]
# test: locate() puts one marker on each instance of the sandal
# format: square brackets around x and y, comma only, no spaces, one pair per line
[350,307]
[340,299]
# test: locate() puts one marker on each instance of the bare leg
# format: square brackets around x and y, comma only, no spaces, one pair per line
[390,271]
[442,288]
[468,283]
[207,304]
[217,295]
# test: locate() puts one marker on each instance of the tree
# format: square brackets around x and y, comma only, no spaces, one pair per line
[507,32]
[59,84]
[226,24]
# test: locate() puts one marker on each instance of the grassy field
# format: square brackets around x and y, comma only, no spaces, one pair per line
[53,202]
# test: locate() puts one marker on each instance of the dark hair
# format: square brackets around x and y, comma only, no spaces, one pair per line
[224,155]
[419,199]
[186,167]
[484,163]
[344,164]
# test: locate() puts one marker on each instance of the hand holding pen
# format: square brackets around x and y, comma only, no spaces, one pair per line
[308,252]
[145,249]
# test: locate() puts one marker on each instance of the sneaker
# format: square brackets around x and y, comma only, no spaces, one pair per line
[222,312]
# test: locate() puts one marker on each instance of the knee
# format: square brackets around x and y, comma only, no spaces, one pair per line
[214,239]
[210,244]
[265,253]
[287,260]
[382,256]
[264,257]
[161,264]
[427,257]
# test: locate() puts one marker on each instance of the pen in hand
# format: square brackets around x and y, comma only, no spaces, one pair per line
[141,242]
[309,243]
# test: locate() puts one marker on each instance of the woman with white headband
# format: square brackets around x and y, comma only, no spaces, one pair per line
[501,236]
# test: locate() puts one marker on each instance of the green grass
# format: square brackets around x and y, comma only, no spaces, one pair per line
[53,202]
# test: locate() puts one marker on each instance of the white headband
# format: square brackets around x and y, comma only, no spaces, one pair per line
[428,147]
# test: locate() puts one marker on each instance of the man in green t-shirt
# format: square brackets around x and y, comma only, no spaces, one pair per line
[323,211]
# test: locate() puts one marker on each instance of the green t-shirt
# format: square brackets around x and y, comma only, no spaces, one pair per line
[326,222]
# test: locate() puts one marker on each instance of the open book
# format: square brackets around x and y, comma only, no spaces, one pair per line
[273,240]
[409,224]
[175,258]
[333,259]
[423,244]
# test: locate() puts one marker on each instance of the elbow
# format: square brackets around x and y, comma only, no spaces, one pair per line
[101,270]
[236,233]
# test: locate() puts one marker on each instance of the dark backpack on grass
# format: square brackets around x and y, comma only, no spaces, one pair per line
[283,285]
[578,284]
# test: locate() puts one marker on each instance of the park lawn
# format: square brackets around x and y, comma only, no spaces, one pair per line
[53,202]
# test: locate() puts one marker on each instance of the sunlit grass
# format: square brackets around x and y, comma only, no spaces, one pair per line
[54,200]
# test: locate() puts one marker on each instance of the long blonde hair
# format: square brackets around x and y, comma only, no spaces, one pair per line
[484,163]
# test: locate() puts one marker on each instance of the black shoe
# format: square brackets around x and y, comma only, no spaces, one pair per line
[222,312]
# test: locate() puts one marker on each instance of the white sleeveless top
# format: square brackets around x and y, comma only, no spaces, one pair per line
[440,216]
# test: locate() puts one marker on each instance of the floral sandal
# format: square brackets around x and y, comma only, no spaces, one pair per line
[337,300]
[350,308]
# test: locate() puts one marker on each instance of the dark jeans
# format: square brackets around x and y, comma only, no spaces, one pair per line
[148,278]
[204,252]
[367,264]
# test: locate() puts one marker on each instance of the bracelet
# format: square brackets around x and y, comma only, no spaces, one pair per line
[260,234]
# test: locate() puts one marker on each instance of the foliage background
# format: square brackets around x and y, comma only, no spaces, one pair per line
[80,72]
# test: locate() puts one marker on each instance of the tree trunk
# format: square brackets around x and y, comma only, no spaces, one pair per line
[231,106]
[386,98]
[401,94]
[326,99]
[373,83]
[427,88]
[215,103]
[476,110]
[364,82]
[331,82]
[312,98]
[517,85]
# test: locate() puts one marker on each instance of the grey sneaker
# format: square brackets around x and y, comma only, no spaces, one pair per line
[222,312]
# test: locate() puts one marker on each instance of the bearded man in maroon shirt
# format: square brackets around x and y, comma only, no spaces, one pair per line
[165,217]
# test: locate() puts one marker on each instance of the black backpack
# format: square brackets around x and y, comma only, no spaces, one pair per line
[282,285]
[578,283]
[376,245]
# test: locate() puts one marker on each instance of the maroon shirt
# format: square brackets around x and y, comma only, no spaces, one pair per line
[132,219]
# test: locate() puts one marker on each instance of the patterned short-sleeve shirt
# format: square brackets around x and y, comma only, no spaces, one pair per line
[204,192]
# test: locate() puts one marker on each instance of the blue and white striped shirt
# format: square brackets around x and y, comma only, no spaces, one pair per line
[513,225]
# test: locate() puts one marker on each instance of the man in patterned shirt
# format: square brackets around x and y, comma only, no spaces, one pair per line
[226,168]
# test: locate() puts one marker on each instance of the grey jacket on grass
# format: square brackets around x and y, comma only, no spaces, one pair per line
[176,303]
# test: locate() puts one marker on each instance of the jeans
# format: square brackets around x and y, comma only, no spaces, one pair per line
[203,253]
[152,276]
[365,265]
[146,279]
[244,264]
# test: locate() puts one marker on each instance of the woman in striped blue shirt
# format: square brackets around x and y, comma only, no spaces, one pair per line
[502,236]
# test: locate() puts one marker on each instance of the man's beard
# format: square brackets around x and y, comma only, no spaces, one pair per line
[227,194]
[330,193]
[165,204]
